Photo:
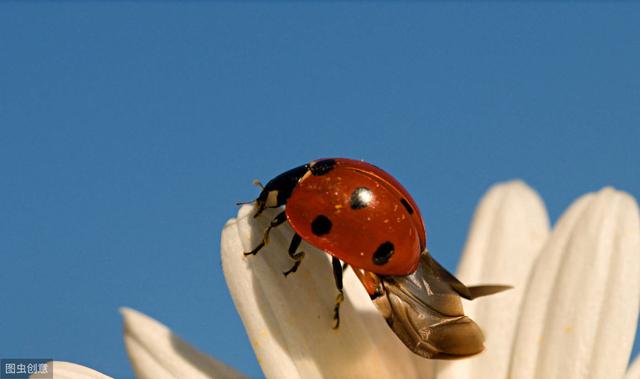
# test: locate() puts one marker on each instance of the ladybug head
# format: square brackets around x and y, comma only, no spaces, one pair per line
[268,198]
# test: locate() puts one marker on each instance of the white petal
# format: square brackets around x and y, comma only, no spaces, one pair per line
[509,228]
[156,353]
[634,370]
[68,370]
[289,320]
[581,307]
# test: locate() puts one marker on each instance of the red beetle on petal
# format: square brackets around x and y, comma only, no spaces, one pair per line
[364,218]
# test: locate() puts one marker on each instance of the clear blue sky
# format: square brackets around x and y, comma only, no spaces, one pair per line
[129,130]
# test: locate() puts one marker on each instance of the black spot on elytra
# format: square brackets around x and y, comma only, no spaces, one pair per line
[383,253]
[406,205]
[321,225]
[322,167]
[360,198]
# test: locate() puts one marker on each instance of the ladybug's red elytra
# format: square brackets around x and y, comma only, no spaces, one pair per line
[364,218]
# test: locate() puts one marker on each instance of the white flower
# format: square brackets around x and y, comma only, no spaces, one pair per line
[571,315]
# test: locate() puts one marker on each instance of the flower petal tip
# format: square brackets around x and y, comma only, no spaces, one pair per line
[155,352]
[516,187]
[68,370]
[584,293]
[509,227]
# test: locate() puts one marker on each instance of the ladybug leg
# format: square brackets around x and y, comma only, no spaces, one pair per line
[296,256]
[338,269]
[278,220]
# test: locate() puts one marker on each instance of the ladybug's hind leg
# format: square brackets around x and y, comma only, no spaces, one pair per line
[296,256]
[338,269]
[278,220]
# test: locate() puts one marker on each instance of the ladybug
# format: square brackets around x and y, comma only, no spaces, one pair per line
[364,218]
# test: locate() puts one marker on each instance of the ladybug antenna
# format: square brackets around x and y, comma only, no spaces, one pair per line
[257,183]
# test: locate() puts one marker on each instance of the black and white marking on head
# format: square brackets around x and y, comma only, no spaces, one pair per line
[406,205]
[322,167]
[361,197]
[321,225]
[383,253]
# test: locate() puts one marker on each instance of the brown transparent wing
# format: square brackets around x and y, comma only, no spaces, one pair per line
[440,273]
[425,311]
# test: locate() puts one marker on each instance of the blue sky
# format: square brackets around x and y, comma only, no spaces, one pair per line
[129,130]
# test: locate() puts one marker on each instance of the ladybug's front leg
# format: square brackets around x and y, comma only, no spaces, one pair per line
[278,220]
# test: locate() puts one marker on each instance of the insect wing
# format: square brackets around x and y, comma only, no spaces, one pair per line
[425,311]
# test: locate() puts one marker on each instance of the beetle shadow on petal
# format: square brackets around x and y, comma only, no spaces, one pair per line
[297,311]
